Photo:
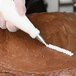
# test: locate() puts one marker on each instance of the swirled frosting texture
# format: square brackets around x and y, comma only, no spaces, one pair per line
[20,55]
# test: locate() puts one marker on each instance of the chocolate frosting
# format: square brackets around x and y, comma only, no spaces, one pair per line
[21,55]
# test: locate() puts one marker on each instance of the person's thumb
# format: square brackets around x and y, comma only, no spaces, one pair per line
[20,5]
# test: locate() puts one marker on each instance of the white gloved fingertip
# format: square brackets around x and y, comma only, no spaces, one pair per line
[11,28]
[2,24]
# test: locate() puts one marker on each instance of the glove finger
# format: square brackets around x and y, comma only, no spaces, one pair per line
[20,5]
[11,27]
[2,22]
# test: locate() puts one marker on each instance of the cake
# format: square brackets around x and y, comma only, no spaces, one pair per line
[20,55]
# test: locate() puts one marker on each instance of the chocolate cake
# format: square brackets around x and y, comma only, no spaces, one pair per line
[21,55]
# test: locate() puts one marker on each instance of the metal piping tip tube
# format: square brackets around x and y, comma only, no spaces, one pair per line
[39,37]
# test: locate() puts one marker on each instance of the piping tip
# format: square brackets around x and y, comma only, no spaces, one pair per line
[39,37]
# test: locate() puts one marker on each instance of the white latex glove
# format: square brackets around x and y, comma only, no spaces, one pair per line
[20,5]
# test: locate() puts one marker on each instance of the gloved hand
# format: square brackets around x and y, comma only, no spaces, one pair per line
[20,5]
